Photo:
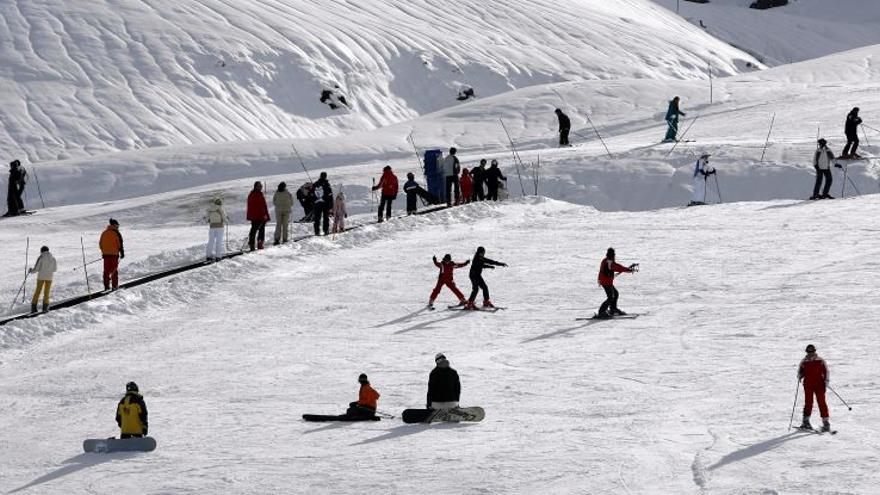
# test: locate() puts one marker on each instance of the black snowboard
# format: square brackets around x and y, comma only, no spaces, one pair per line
[340,417]
[474,414]
[108,445]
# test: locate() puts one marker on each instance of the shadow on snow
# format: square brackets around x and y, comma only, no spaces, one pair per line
[406,430]
[75,464]
[757,449]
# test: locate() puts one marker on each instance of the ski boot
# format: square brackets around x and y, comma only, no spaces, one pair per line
[855,156]
[33,308]
[805,425]
[827,196]
[470,306]
[602,315]
[260,245]
[826,425]
[488,304]
[618,312]
[45,308]
[814,198]
[430,305]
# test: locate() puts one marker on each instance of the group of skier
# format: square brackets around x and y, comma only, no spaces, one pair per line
[477,184]
[445,278]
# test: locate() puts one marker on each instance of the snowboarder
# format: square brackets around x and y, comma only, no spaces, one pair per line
[217,221]
[822,160]
[480,262]
[306,197]
[493,178]
[411,188]
[702,171]
[478,174]
[564,127]
[451,169]
[672,114]
[282,200]
[368,400]
[467,186]
[607,271]
[447,267]
[814,373]
[17,181]
[131,413]
[389,186]
[444,387]
[851,129]
[45,268]
[339,213]
[112,250]
[258,215]
[323,202]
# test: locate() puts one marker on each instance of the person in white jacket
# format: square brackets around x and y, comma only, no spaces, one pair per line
[702,171]
[45,268]
[339,213]
[822,160]
[217,221]
[451,169]
[283,202]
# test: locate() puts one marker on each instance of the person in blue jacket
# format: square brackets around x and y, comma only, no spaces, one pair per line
[672,114]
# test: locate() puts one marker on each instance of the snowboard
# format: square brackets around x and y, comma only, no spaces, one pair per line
[108,445]
[466,414]
[340,417]
[630,316]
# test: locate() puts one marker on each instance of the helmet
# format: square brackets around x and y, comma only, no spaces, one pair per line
[452,150]
[495,162]
[363,378]
[440,357]
[131,387]
[810,348]
[447,257]
[610,253]
[481,250]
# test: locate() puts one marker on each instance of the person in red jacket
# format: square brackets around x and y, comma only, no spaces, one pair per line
[607,270]
[258,214]
[447,266]
[388,185]
[814,373]
[467,186]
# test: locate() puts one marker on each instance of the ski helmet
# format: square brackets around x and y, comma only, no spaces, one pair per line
[482,161]
[15,164]
[481,250]
[44,249]
[439,357]
[114,222]
[822,142]
[410,176]
[610,253]
[131,387]
[447,258]
[452,150]
[494,163]
[363,378]
[810,348]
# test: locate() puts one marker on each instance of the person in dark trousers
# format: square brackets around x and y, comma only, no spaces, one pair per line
[493,178]
[814,373]
[479,263]
[306,197]
[368,400]
[323,202]
[851,128]
[112,250]
[17,181]
[822,160]
[451,169]
[389,186]
[411,189]
[444,387]
[564,127]
[258,215]
[478,174]
[607,270]
[131,413]
[672,114]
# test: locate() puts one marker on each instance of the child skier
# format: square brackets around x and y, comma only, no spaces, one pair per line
[467,186]
[814,373]
[368,400]
[447,266]
[480,262]
[339,213]
[607,270]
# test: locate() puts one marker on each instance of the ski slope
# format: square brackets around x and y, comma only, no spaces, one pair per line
[692,397]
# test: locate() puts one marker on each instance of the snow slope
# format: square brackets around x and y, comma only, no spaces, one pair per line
[83,77]
[693,397]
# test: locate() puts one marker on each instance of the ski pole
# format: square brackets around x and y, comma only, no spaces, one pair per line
[301,162]
[86,270]
[853,184]
[797,390]
[767,141]
[866,136]
[89,263]
[20,291]
[516,159]
[683,135]
[39,190]
[598,135]
[718,188]
[845,176]
[839,397]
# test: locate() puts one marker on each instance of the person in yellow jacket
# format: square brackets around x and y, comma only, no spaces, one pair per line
[131,413]
[112,250]
[45,268]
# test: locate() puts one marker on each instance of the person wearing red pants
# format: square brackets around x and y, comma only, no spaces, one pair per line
[447,267]
[814,373]
[112,250]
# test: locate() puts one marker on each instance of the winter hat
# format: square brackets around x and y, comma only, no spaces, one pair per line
[114,222]
[481,250]
[494,163]
[387,168]
[610,253]
[705,155]
[482,161]
[44,249]
[131,387]
[440,357]
[558,110]
[810,349]
[363,378]
[452,151]
[447,257]
[855,109]
[282,186]
[822,142]
[410,176]
[15,163]
[219,201]
[324,175]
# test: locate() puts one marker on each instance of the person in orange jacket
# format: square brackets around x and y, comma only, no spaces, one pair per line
[368,400]
[389,186]
[112,250]
[447,266]
[607,270]
[467,186]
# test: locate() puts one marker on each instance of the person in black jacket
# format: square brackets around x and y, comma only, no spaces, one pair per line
[17,181]
[480,262]
[444,387]
[564,127]
[323,202]
[478,174]
[853,121]
[493,178]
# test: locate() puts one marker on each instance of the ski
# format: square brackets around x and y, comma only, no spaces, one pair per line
[814,431]
[630,316]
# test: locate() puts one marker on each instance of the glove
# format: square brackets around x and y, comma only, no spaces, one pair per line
[434,258]
[122,255]
[836,165]
[504,264]
[145,431]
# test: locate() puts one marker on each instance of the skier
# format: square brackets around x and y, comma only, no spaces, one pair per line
[411,188]
[467,186]
[323,201]
[45,268]
[368,400]
[17,181]
[447,266]
[305,196]
[672,114]
[480,262]
[258,214]
[389,186]
[444,387]
[702,171]
[493,178]
[814,373]
[851,128]
[339,213]
[451,168]
[217,220]
[478,174]
[282,200]
[822,160]
[607,270]
[112,250]
[131,413]
[564,127]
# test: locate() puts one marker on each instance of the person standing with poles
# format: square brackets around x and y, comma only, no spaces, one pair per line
[564,127]
[478,264]
[822,160]
[112,250]
[451,169]
[851,129]
[607,271]
[282,200]
[323,194]
[389,185]
[493,178]
[258,215]
[45,268]
[17,182]
[702,171]
[217,221]
[672,114]
[813,372]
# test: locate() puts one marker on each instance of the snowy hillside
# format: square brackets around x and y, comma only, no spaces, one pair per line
[83,77]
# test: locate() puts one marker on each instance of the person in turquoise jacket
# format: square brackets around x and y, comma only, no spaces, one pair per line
[672,120]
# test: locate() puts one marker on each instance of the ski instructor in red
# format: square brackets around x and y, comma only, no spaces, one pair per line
[607,270]
[814,373]
[447,266]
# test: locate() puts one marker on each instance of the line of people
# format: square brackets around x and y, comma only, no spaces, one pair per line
[477,184]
